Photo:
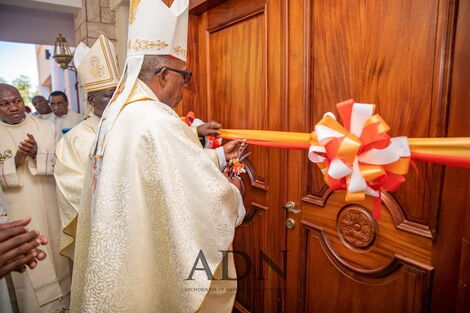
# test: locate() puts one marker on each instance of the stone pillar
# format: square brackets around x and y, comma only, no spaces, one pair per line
[121,9]
[93,19]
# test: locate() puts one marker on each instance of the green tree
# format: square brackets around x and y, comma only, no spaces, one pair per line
[23,85]
[3,81]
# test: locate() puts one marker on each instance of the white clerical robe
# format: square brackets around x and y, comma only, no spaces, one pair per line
[65,121]
[30,191]
[47,117]
[72,153]
[158,203]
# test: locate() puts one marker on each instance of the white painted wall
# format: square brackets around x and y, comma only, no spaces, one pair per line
[64,80]
[37,26]
[68,6]
[44,66]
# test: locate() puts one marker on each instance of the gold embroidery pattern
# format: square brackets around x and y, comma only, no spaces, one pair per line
[133,10]
[53,160]
[97,69]
[143,44]
[180,51]
[5,156]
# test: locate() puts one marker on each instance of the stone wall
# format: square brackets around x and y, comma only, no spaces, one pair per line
[95,18]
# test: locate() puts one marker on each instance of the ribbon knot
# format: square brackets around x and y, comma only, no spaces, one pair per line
[359,156]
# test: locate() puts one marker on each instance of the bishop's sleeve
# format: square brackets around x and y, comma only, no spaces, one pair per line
[241,211]
[194,171]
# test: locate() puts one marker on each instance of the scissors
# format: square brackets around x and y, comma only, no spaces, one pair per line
[243,157]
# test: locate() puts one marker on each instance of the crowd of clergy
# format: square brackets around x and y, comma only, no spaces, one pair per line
[111,210]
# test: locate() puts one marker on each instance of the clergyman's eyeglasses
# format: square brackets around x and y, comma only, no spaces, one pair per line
[186,75]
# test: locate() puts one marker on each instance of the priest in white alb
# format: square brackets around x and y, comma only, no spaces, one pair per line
[43,109]
[26,167]
[154,202]
[98,73]
[63,118]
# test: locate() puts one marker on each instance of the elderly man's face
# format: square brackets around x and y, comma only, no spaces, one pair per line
[58,105]
[176,84]
[169,85]
[41,105]
[11,105]
[100,99]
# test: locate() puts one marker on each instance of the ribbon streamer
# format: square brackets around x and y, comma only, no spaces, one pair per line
[451,151]
[359,156]
[190,119]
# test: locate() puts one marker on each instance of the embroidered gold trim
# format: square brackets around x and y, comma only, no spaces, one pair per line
[107,55]
[180,51]
[144,44]
[102,87]
[5,156]
[4,177]
[133,10]
[97,69]
[114,66]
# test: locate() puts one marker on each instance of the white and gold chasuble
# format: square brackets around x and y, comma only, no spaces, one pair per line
[30,191]
[158,201]
[72,153]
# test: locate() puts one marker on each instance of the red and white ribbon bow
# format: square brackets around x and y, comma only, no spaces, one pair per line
[359,156]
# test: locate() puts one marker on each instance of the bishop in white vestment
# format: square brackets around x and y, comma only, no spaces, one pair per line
[29,189]
[154,203]
[73,150]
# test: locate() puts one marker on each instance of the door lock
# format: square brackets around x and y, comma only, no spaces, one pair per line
[290,223]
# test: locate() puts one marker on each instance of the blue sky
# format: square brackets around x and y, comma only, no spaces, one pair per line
[18,59]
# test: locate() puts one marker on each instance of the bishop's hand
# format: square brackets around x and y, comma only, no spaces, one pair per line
[233,147]
[237,181]
[209,129]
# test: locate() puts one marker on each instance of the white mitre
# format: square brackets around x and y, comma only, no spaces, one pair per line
[158,30]
[154,29]
[97,66]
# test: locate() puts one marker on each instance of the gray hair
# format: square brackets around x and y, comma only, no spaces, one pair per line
[152,63]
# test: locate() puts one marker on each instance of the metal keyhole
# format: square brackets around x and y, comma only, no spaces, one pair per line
[290,223]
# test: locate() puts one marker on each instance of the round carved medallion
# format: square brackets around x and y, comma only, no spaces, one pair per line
[356,227]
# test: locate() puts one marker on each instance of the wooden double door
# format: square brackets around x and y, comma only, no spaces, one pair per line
[280,65]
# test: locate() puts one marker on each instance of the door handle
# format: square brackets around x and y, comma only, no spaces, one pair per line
[290,207]
[290,223]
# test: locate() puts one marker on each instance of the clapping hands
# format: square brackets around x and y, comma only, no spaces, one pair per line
[27,147]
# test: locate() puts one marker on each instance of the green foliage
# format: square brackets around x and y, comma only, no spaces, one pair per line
[23,85]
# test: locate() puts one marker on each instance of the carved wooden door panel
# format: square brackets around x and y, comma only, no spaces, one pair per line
[395,54]
[235,54]
[280,65]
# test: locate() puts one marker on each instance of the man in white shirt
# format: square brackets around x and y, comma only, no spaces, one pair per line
[63,118]
[43,110]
